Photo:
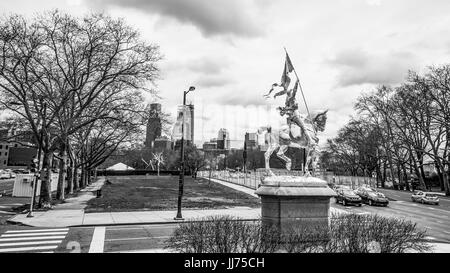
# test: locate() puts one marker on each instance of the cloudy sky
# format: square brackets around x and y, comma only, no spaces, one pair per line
[232,51]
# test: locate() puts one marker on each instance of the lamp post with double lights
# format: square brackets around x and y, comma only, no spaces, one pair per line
[181,178]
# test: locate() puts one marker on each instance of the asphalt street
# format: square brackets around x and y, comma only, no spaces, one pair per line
[6,186]
[435,219]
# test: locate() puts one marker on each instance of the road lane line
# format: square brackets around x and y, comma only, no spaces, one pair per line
[37,230]
[98,240]
[31,243]
[138,238]
[18,249]
[33,234]
[31,238]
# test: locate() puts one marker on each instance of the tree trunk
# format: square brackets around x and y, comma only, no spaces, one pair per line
[70,177]
[405,177]
[62,171]
[83,177]
[45,196]
[88,177]
[399,176]
[76,184]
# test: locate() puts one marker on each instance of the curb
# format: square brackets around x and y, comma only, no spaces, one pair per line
[135,223]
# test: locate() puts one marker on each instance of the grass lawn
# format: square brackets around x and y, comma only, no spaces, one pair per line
[161,193]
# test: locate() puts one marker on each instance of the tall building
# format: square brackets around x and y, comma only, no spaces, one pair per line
[154,125]
[13,154]
[191,129]
[162,144]
[188,112]
[223,139]
[251,141]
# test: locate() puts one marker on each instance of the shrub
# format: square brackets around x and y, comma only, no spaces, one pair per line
[348,233]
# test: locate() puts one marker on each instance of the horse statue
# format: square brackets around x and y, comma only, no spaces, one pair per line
[291,135]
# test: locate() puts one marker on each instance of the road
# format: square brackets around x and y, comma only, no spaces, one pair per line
[435,219]
[112,239]
[6,186]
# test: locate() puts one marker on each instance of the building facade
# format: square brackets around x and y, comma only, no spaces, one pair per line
[251,141]
[223,139]
[154,125]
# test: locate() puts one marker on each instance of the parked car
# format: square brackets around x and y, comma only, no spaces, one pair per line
[372,197]
[340,187]
[4,175]
[347,197]
[425,197]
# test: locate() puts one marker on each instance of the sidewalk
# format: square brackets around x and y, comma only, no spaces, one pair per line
[71,213]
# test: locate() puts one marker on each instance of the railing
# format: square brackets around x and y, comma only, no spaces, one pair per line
[252,179]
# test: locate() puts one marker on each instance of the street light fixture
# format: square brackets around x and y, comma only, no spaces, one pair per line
[181,179]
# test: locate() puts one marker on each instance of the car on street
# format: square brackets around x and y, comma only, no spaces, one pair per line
[372,197]
[4,174]
[347,197]
[339,187]
[425,197]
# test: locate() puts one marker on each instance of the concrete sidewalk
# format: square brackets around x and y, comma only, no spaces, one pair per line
[71,213]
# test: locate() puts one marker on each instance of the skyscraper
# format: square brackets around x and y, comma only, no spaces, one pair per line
[154,125]
[251,140]
[223,139]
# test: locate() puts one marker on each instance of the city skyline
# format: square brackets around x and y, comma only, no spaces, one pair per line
[339,48]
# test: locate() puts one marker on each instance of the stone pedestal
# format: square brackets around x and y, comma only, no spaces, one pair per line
[294,201]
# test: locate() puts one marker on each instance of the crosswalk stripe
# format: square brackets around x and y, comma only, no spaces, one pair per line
[18,249]
[31,238]
[31,243]
[33,234]
[36,230]
[6,212]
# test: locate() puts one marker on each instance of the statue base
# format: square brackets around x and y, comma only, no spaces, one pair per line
[295,202]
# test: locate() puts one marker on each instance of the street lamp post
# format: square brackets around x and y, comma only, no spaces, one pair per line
[181,179]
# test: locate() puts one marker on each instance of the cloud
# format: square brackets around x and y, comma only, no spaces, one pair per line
[359,67]
[242,98]
[207,65]
[213,81]
[211,17]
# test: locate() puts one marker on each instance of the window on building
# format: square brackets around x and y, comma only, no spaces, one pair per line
[15,145]
[6,153]
[1,147]
[6,147]
[4,162]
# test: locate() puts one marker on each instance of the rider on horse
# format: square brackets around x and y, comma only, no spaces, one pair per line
[294,116]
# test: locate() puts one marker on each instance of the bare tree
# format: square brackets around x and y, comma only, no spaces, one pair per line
[81,68]
[158,157]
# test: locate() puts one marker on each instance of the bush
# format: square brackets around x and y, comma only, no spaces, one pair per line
[348,233]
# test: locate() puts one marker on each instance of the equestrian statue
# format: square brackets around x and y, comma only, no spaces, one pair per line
[300,131]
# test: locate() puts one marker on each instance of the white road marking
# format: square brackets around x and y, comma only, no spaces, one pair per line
[27,248]
[31,238]
[154,250]
[138,238]
[98,240]
[37,230]
[33,234]
[6,212]
[31,243]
